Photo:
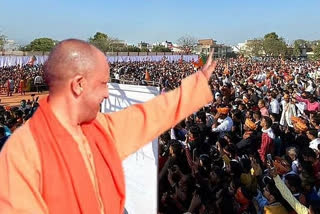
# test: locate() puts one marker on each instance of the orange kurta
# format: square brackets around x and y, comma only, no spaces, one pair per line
[130,129]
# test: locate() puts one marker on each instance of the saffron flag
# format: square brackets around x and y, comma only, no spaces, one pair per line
[226,70]
[147,77]
[198,63]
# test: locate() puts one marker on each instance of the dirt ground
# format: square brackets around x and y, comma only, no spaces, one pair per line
[15,99]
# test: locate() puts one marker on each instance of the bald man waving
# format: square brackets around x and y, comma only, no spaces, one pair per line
[67,157]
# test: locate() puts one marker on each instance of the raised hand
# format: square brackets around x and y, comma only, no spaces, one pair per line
[210,66]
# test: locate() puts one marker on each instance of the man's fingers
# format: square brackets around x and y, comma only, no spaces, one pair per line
[211,55]
[210,65]
[209,59]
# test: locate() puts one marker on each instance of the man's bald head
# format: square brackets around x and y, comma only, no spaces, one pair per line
[69,58]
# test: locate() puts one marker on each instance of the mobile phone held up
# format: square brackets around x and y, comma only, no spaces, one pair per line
[270,161]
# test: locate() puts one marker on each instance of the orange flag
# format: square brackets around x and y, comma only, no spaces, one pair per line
[198,63]
[147,77]
[226,70]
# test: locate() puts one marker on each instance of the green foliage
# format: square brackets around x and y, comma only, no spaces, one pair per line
[144,49]
[313,44]
[316,52]
[2,41]
[272,35]
[273,45]
[255,47]
[101,41]
[204,57]
[296,51]
[160,48]
[297,45]
[40,44]
[132,48]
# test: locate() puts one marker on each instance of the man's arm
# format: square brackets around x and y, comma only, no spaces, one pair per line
[139,124]
[222,127]
[300,99]
[287,195]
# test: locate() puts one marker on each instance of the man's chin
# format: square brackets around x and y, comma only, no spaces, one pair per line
[90,119]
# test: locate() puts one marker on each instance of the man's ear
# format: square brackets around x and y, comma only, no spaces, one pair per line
[78,84]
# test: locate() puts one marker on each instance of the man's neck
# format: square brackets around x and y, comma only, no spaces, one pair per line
[65,113]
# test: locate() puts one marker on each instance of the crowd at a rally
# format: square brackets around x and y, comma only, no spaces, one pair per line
[166,74]
[254,149]
[17,80]
[21,79]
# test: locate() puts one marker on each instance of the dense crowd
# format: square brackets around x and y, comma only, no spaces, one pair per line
[166,74]
[254,149]
[17,80]
[21,79]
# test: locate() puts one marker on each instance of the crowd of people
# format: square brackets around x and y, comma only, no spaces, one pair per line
[165,74]
[254,149]
[17,80]
[21,79]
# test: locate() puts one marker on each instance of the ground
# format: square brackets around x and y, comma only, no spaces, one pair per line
[15,99]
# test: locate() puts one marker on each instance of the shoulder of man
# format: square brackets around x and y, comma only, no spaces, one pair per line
[21,141]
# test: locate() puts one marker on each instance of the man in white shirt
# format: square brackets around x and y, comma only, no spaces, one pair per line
[312,134]
[274,104]
[225,122]
[38,82]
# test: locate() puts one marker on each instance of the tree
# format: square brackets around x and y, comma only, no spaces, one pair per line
[312,45]
[187,43]
[102,41]
[254,47]
[144,49]
[297,45]
[272,35]
[40,44]
[160,48]
[3,40]
[132,48]
[316,52]
[273,45]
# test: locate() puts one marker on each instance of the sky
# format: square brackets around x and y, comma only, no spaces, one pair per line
[227,21]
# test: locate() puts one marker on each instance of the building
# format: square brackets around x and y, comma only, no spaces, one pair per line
[172,46]
[167,44]
[244,49]
[222,51]
[239,47]
[206,45]
[119,43]
[144,45]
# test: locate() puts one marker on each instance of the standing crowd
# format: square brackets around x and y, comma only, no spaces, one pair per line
[254,149]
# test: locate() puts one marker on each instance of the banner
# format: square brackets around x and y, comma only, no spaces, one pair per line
[140,168]
[23,60]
